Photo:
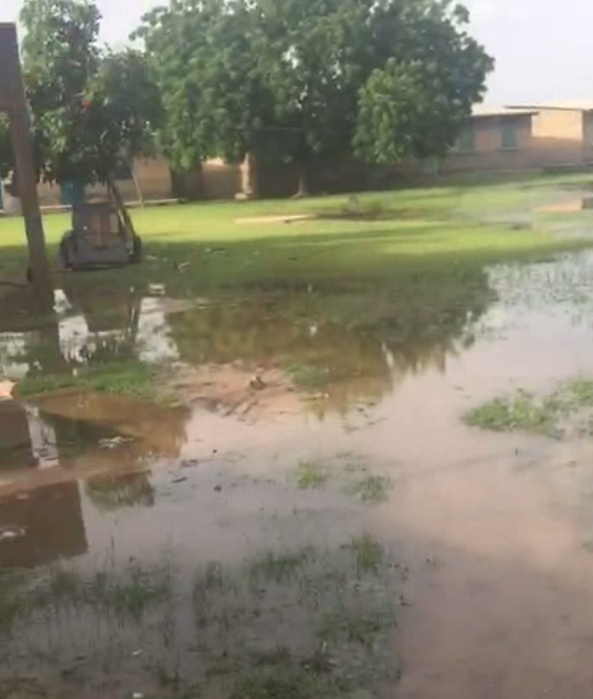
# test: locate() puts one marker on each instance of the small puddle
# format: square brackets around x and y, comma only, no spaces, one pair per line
[312,485]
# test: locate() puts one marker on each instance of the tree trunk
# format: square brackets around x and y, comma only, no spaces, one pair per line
[137,184]
[248,177]
[122,209]
[38,272]
[303,190]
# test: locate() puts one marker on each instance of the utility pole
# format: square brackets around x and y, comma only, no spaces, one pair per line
[13,101]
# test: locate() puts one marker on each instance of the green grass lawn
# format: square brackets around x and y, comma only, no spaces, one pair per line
[438,225]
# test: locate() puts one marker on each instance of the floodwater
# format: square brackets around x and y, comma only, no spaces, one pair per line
[487,538]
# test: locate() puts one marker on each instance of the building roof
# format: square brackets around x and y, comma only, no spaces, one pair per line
[485,110]
[576,106]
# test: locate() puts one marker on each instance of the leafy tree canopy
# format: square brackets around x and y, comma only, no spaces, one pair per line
[90,107]
[300,79]
[215,103]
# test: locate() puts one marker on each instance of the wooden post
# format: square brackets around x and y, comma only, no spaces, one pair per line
[13,101]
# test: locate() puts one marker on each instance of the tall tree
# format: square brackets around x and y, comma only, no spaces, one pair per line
[301,80]
[91,108]
[215,102]
[414,102]
[314,55]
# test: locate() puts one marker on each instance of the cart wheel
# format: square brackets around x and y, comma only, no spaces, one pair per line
[136,256]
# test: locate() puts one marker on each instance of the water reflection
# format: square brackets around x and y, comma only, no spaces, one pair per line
[47,525]
[34,438]
[362,340]
[109,493]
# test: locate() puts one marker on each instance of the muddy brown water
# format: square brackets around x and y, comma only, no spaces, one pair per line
[495,532]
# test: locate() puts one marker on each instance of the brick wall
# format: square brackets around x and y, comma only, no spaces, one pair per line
[558,137]
[153,176]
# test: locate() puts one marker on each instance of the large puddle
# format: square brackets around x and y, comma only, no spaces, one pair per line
[309,424]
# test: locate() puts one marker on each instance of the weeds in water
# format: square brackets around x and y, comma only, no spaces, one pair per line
[13,598]
[578,392]
[309,377]
[278,567]
[371,490]
[520,412]
[132,594]
[111,493]
[337,603]
[279,684]
[368,553]
[311,475]
[545,414]
[359,626]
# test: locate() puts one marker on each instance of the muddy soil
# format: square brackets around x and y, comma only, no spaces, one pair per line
[311,517]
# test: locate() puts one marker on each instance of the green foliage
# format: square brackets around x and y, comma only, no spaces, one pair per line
[415,103]
[568,406]
[520,412]
[132,379]
[309,377]
[111,493]
[371,490]
[204,58]
[311,475]
[278,567]
[369,554]
[297,80]
[90,107]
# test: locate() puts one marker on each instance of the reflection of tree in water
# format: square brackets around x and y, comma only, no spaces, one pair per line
[364,339]
[110,493]
[49,346]
[51,522]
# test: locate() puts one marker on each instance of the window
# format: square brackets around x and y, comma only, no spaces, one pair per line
[508,137]
[467,140]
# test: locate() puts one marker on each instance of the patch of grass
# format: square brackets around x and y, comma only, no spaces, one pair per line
[132,593]
[279,567]
[523,411]
[356,625]
[132,379]
[311,475]
[128,592]
[284,684]
[112,493]
[308,377]
[550,415]
[442,223]
[369,554]
[371,489]
[578,392]
[13,598]
[318,625]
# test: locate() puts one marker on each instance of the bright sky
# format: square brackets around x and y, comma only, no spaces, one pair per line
[542,47]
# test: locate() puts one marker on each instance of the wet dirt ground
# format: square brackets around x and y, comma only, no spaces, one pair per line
[295,440]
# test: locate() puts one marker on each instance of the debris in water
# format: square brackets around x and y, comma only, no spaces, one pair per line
[189,463]
[179,479]
[137,653]
[218,488]
[257,383]
[114,442]
[11,533]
